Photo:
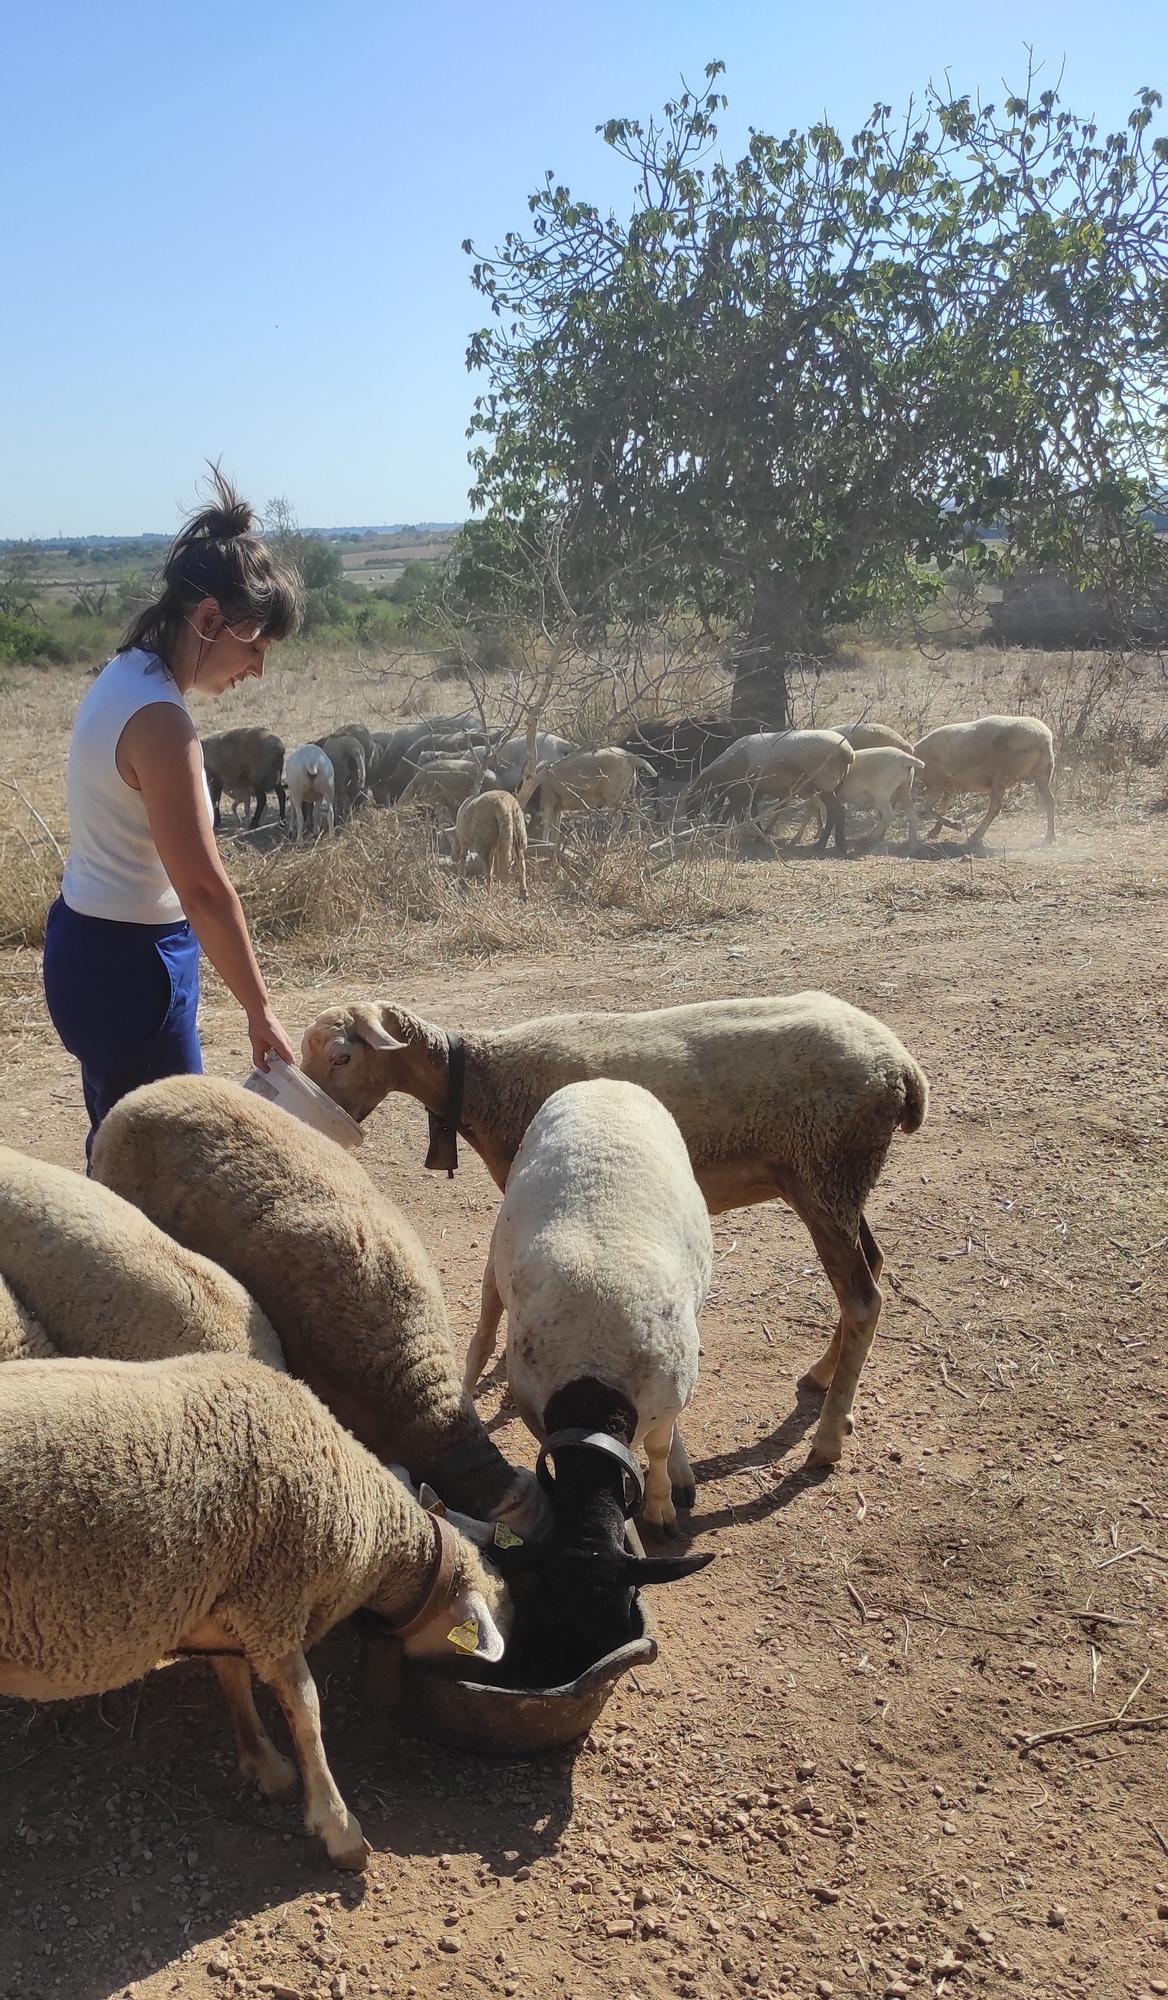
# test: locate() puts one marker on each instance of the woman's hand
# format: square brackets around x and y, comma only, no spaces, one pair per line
[267,1037]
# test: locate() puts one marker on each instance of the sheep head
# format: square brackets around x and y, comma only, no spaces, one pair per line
[358,1054]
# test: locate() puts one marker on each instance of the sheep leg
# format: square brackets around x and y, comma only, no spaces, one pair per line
[486,1333]
[215,787]
[811,813]
[325,1811]
[939,809]
[658,1511]
[282,801]
[846,1262]
[997,801]
[1043,787]
[681,1473]
[261,802]
[259,1758]
[819,1375]
[521,853]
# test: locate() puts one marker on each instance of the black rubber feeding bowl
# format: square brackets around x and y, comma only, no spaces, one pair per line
[521,1721]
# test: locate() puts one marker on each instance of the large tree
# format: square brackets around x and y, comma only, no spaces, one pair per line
[794,389]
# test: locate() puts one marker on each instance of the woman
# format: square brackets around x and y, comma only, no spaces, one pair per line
[144,887]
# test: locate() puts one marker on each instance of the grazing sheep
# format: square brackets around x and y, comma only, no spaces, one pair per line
[601,1255]
[347,758]
[881,779]
[870,736]
[587,781]
[21,1339]
[244,763]
[364,737]
[772,770]
[448,782]
[103,1281]
[510,757]
[492,824]
[796,1097]
[392,769]
[210,1506]
[989,755]
[311,784]
[346,1283]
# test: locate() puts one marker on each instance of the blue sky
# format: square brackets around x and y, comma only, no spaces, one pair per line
[235,230]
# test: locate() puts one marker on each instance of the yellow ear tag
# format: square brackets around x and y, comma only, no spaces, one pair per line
[506,1538]
[465,1637]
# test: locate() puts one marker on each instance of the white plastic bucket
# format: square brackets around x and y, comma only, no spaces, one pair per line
[281,1084]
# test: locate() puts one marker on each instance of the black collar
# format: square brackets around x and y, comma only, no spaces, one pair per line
[634,1483]
[443,1151]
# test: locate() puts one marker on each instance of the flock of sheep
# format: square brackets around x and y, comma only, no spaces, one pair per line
[230,1396]
[482,782]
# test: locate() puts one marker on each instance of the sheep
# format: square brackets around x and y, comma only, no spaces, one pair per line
[601,1256]
[796,1097]
[448,782]
[344,1280]
[587,780]
[880,778]
[347,758]
[311,783]
[772,770]
[209,1506]
[103,1281]
[510,757]
[870,736]
[243,762]
[492,823]
[21,1338]
[988,755]
[391,770]
[364,737]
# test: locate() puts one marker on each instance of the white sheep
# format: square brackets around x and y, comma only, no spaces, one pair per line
[510,757]
[880,779]
[601,1256]
[101,1280]
[311,782]
[492,826]
[211,1506]
[870,735]
[342,1276]
[772,770]
[794,1097]
[21,1338]
[586,781]
[245,763]
[989,755]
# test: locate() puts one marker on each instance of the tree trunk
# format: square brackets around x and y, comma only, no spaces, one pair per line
[777,640]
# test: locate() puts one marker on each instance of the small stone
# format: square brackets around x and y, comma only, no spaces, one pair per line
[824,1988]
[450,1942]
[1056,1916]
[804,1771]
[219,1966]
[824,1893]
[1158,1985]
[340,1985]
[622,1928]
[984,1937]
[1162,1911]
[948,1826]
[642,1899]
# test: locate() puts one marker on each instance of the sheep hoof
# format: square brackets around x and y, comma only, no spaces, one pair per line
[685,1496]
[661,1522]
[812,1381]
[276,1777]
[825,1451]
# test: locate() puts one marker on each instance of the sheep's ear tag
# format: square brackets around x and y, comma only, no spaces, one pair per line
[506,1538]
[465,1637]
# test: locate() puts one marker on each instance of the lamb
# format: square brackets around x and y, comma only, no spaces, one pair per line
[796,1097]
[602,1256]
[347,758]
[344,1280]
[207,1505]
[989,755]
[588,780]
[103,1281]
[772,770]
[881,779]
[311,783]
[492,823]
[243,763]
[448,782]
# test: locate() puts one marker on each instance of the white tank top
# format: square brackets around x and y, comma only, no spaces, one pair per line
[113,869]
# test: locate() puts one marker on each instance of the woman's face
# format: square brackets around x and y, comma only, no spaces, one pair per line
[226,654]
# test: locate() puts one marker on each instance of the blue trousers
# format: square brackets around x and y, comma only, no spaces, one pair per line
[123,998]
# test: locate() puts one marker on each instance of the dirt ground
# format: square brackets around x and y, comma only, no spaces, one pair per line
[823,1784]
